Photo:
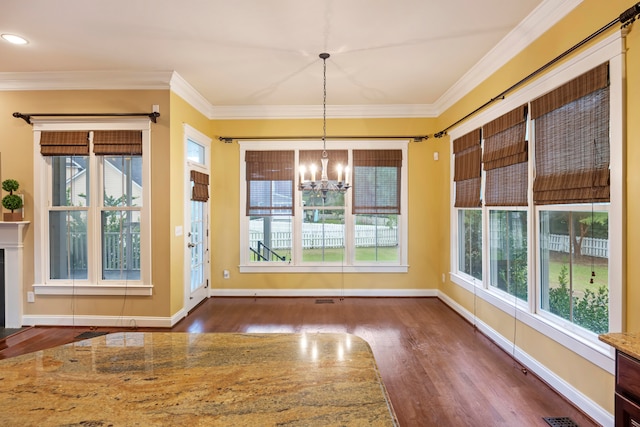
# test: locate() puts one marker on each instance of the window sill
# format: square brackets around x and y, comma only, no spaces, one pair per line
[88,289]
[329,268]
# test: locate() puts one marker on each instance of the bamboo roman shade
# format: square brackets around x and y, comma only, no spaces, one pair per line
[336,157]
[376,181]
[269,176]
[467,169]
[505,159]
[572,141]
[117,142]
[200,186]
[72,143]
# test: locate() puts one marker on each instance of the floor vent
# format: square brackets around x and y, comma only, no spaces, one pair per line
[324,301]
[560,422]
[90,334]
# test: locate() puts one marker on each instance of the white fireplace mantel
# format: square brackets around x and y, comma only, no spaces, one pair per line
[11,240]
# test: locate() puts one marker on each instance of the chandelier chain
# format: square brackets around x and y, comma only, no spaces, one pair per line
[324,107]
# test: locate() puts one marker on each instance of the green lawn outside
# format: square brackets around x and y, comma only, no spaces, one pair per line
[581,275]
[362,254]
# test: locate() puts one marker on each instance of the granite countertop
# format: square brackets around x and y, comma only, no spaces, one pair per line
[626,342]
[181,379]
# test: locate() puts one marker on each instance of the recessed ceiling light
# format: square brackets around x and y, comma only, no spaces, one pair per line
[12,38]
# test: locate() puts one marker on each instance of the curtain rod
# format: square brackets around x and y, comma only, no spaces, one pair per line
[230,139]
[626,18]
[27,117]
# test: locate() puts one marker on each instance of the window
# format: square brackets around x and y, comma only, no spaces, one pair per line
[505,160]
[284,229]
[95,196]
[467,181]
[549,214]
[572,167]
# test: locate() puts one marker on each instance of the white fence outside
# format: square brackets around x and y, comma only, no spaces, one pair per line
[590,247]
[331,237]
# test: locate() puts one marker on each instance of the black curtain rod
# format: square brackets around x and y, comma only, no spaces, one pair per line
[230,139]
[626,18]
[27,117]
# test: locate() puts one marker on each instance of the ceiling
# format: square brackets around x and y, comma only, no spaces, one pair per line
[241,53]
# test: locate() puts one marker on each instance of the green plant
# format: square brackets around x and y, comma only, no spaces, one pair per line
[11,201]
[591,311]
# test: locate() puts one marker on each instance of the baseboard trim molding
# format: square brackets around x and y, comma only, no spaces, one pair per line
[323,293]
[586,405]
[104,321]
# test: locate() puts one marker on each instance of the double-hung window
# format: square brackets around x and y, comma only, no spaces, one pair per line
[285,229]
[571,191]
[505,162]
[94,196]
[467,153]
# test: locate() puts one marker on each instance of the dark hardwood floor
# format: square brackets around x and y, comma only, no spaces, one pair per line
[438,370]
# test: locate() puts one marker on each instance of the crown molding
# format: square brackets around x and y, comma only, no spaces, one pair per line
[183,89]
[85,80]
[539,21]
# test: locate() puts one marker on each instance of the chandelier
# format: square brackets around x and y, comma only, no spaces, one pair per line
[324,186]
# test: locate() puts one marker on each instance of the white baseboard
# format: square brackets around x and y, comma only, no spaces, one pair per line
[99,321]
[323,293]
[573,395]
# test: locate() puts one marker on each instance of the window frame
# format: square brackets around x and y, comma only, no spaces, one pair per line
[93,285]
[610,49]
[348,264]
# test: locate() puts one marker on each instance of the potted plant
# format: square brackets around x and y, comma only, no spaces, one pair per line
[11,201]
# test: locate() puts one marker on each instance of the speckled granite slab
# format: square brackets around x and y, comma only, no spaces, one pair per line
[626,342]
[180,379]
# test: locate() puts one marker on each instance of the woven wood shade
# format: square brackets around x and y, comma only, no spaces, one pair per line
[376,181]
[505,159]
[117,142]
[200,189]
[467,169]
[276,167]
[572,141]
[64,143]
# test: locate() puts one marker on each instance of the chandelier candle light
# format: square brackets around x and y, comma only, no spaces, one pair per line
[324,186]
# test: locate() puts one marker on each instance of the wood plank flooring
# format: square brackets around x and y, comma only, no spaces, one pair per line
[438,370]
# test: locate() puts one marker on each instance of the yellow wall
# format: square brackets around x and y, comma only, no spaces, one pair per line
[16,149]
[427,205]
[590,15]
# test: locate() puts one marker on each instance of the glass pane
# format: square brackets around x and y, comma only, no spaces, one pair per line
[270,238]
[70,180]
[376,238]
[120,245]
[508,252]
[270,197]
[470,242]
[574,265]
[68,244]
[195,152]
[323,235]
[196,239]
[122,180]
[375,189]
[315,198]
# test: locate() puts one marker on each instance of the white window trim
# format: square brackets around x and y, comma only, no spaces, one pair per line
[43,286]
[610,49]
[296,266]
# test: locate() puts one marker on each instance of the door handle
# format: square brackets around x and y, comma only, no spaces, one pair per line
[191,245]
